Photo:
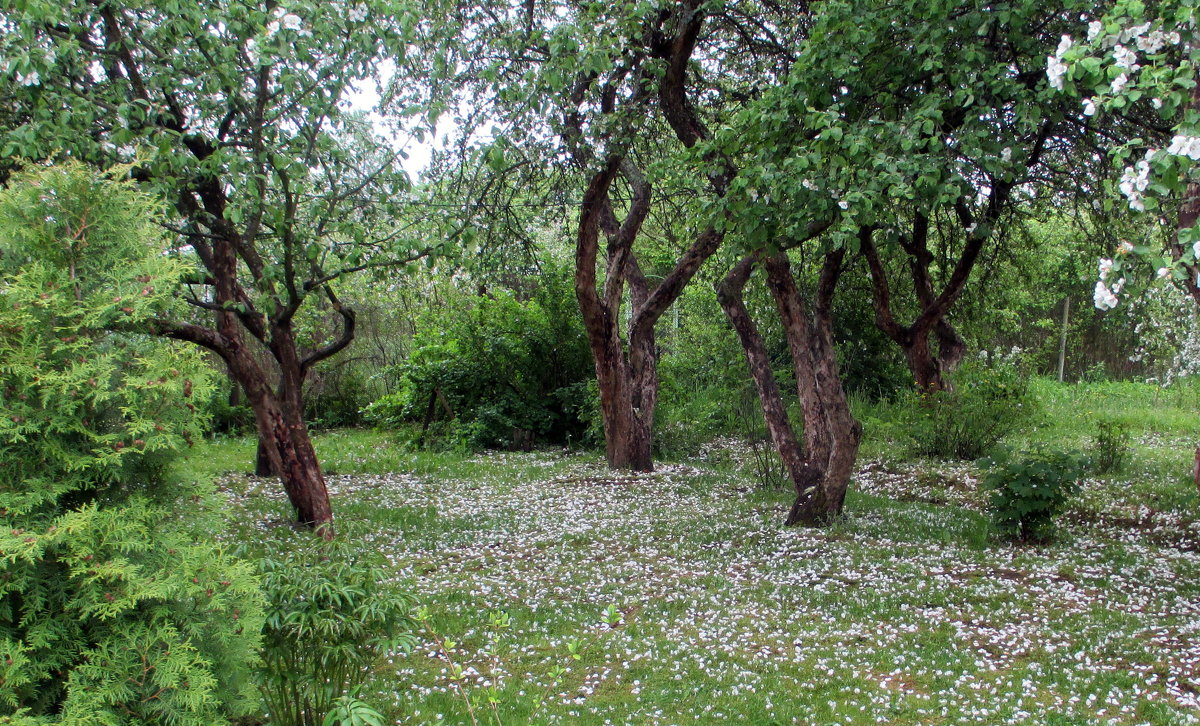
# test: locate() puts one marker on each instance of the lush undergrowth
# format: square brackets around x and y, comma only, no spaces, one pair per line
[906,611]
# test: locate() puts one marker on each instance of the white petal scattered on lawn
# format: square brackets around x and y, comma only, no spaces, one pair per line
[901,613]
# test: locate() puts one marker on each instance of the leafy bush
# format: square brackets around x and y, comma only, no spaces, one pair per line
[331,615]
[988,402]
[1029,490]
[497,371]
[1110,446]
[336,396]
[115,604]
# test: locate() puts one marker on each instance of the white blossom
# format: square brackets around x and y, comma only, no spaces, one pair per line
[1064,45]
[1134,181]
[358,13]
[1095,28]
[1105,266]
[1055,70]
[1119,83]
[1124,58]
[1103,297]
[1188,146]
[1124,248]
[1156,102]
[1135,31]
[1196,250]
[29,79]
[1006,154]
[843,204]
[1152,42]
[1163,273]
[1089,106]
[285,21]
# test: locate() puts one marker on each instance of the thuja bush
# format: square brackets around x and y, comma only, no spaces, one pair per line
[116,607]
[332,614]
[988,401]
[1029,490]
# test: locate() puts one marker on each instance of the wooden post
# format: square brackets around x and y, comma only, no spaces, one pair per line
[1062,339]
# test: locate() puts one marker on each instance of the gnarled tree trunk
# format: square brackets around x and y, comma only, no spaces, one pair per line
[278,413]
[820,470]
[626,373]
[929,367]
[627,368]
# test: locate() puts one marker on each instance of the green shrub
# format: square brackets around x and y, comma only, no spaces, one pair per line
[1029,490]
[116,606]
[988,403]
[336,397]
[1110,446]
[331,616]
[495,371]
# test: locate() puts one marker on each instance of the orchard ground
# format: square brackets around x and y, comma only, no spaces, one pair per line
[905,611]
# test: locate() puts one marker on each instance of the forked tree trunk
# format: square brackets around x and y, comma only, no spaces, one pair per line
[626,373]
[627,369]
[287,446]
[821,470]
[277,415]
[929,366]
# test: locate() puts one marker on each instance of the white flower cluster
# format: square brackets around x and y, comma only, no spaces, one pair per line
[1104,298]
[1125,58]
[285,21]
[1135,180]
[357,14]
[1055,70]
[1105,295]
[1155,40]
[1146,40]
[1188,146]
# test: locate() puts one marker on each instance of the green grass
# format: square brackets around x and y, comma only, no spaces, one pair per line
[905,611]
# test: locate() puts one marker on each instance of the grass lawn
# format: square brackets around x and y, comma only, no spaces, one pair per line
[905,611]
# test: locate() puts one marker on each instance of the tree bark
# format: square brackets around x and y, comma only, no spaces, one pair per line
[627,367]
[929,368]
[821,470]
[278,414]
[1189,216]
[262,460]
